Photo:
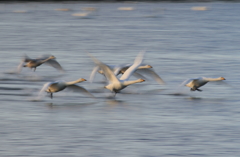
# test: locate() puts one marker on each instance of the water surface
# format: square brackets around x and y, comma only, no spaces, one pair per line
[146,119]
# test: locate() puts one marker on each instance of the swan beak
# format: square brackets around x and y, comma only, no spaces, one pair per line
[100,72]
[142,80]
[53,57]
[149,66]
[84,80]
[223,78]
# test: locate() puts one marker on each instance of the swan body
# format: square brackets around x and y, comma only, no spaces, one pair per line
[117,69]
[34,63]
[56,86]
[196,83]
[120,69]
[142,68]
[116,85]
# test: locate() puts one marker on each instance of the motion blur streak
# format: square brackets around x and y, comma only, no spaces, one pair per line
[146,119]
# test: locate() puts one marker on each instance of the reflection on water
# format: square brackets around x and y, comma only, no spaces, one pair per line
[114,102]
[182,40]
[67,105]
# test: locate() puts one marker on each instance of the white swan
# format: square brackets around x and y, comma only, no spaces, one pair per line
[53,87]
[34,63]
[120,69]
[117,69]
[115,84]
[147,69]
[196,83]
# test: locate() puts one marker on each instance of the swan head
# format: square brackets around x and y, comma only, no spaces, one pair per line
[149,66]
[100,71]
[145,67]
[141,80]
[222,78]
[79,80]
[82,79]
[52,57]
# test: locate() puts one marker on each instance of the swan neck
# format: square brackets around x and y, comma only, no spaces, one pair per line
[74,82]
[126,83]
[46,59]
[144,67]
[213,79]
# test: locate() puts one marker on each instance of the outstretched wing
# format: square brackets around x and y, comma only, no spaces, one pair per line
[44,88]
[93,73]
[106,69]
[76,88]
[55,64]
[152,74]
[118,68]
[19,68]
[26,58]
[137,62]
[138,75]
[186,82]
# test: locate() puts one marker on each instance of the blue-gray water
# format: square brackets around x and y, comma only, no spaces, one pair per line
[147,119]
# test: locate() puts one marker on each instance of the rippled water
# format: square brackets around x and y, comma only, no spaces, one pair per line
[146,119]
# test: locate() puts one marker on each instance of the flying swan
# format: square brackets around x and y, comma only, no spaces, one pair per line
[120,69]
[34,63]
[53,87]
[116,85]
[117,69]
[196,83]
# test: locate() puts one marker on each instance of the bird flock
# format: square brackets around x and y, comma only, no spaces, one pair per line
[111,72]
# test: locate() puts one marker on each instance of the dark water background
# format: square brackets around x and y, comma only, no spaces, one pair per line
[146,119]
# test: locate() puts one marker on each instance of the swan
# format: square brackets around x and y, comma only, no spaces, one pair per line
[120,69]
[34,63]
[56,86]
[196,83]
[148,69]
[116,85]
[117,69]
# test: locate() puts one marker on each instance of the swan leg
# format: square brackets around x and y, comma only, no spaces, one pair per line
[114,94]
[199,90]
[34,69]
[51,94]
[195,88]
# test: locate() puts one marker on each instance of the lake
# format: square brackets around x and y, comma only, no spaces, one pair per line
[181,40]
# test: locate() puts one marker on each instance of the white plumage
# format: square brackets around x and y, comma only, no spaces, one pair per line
[196,83]
[56,86]
[115,84]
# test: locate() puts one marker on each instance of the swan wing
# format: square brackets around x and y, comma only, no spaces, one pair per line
[137,62]
[19,67]
[45,87]
[152,74]
[93,73]
[76,88]
[186,82]
[55,64]
[138,75]
[118,68]
[106,69]
[26,58]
